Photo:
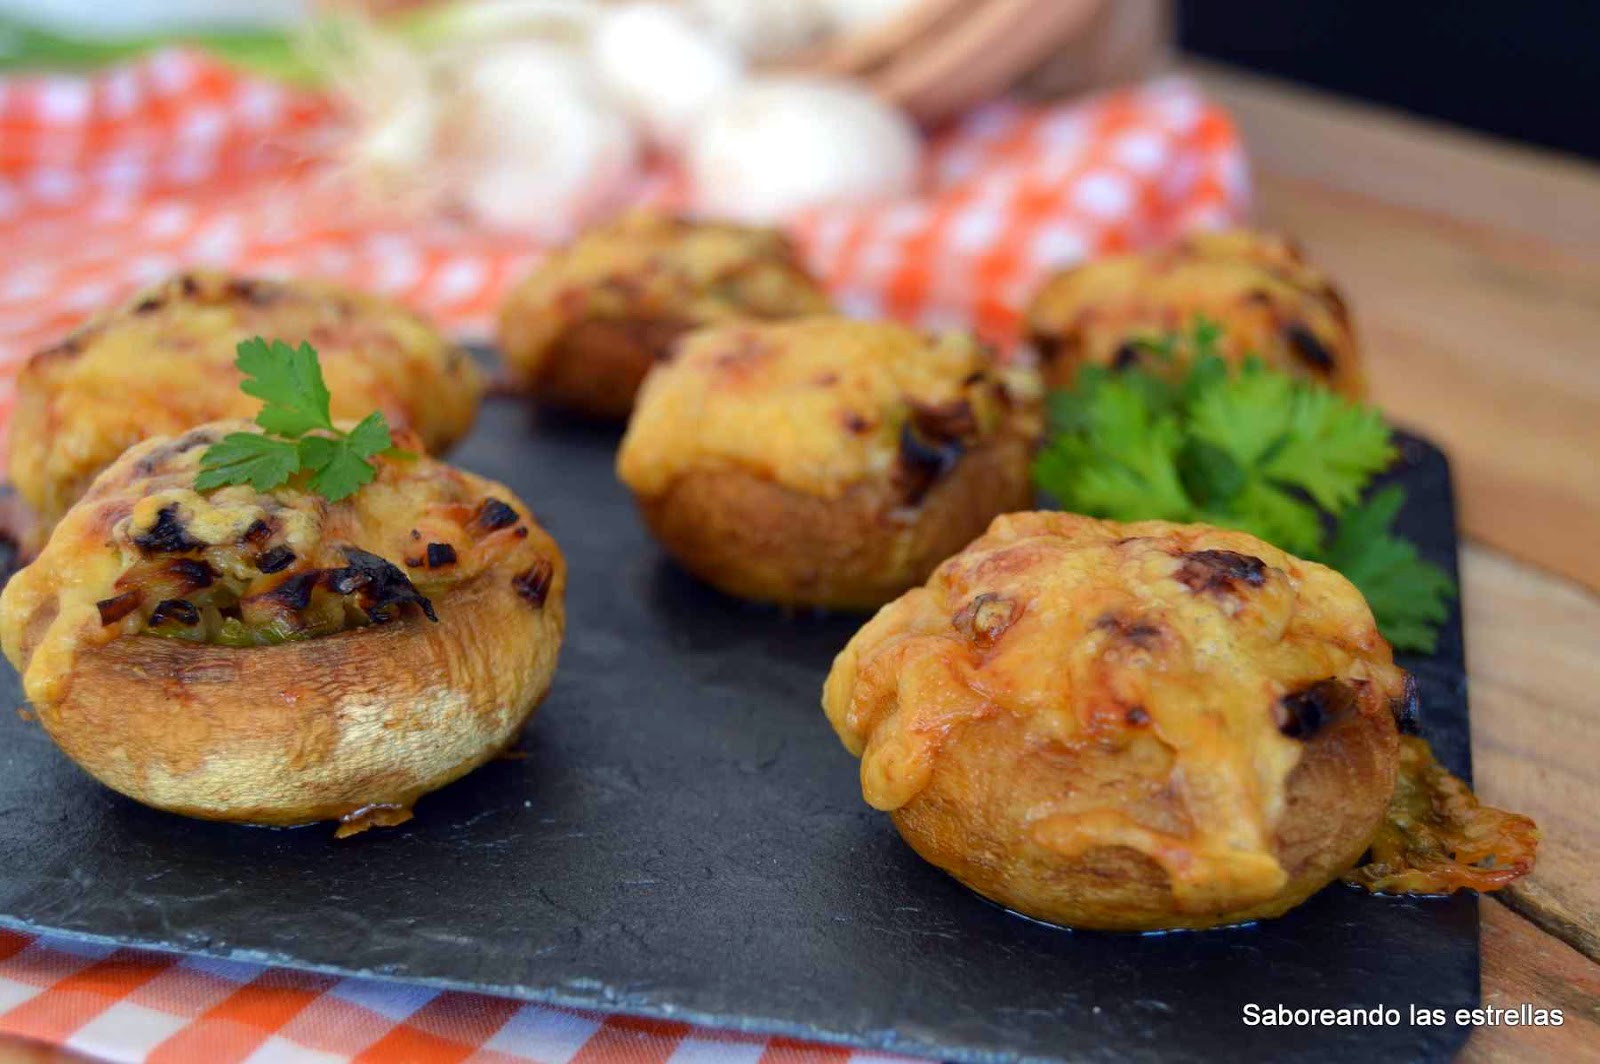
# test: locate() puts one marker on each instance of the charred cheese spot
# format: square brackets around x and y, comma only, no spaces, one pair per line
[1312,351]
[380,587]
[167,535]
[275,559]
[1407,708]
[294,592]
[534,584]
[1220,571]
[922,463]
[1305,713]
[494,515]
[1136,632]
[181,611]
[116,608]
[985,619]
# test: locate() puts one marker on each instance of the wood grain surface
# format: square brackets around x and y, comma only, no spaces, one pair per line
[1473,272]
[1522,964]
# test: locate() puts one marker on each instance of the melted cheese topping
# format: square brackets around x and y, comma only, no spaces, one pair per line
[1161,665]
[816,404]
[163,363]
[1268,301]
[143,552]
[1437,838]
[646,265]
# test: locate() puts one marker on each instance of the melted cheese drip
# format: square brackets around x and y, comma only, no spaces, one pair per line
[1205,671]
[1437,838]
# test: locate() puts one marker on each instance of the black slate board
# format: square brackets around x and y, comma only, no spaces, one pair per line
[686,839]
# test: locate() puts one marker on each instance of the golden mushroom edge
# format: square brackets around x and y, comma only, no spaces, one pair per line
[583,330]
[825,461]
[1147,726]
[163,362]
[274,658]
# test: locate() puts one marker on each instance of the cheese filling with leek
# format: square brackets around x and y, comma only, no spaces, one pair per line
[143,554]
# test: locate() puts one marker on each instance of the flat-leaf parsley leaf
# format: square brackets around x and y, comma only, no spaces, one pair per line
[298,431]
[1257,450]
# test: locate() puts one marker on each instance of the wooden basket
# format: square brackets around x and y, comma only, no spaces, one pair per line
[940,57]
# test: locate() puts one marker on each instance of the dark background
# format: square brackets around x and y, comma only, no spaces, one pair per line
[1528,71]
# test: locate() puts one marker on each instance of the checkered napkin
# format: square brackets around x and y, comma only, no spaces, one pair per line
[113,181]
[116,180]
[131,1006]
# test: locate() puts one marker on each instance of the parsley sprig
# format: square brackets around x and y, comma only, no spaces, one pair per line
[298,433]
[1257,450]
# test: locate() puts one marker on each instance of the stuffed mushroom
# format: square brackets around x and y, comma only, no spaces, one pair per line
[164,362]
[274,658]
[1130,726]
[825,461]
[1256,287]
[586,327]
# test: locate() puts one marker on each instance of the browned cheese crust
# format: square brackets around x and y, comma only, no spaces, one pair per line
[163,362]
[824,461]
[1267,299]
[274,658]
[1126,726]
[586,327]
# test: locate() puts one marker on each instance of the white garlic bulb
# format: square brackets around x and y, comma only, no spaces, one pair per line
[662,66]
[778,145]
[542,149]
[764,30]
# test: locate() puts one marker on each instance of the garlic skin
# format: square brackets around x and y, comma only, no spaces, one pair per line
[764,30]
[780,145]
[390,94]
[664,68]
[541,148]
[389,154]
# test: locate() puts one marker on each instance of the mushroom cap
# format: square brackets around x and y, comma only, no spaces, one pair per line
[588,324]
[277,658]
[1126,726]
[1267,300]
[824,461]
[349,726]
[754,538]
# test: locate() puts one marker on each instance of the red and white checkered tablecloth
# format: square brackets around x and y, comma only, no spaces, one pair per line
[111,181]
